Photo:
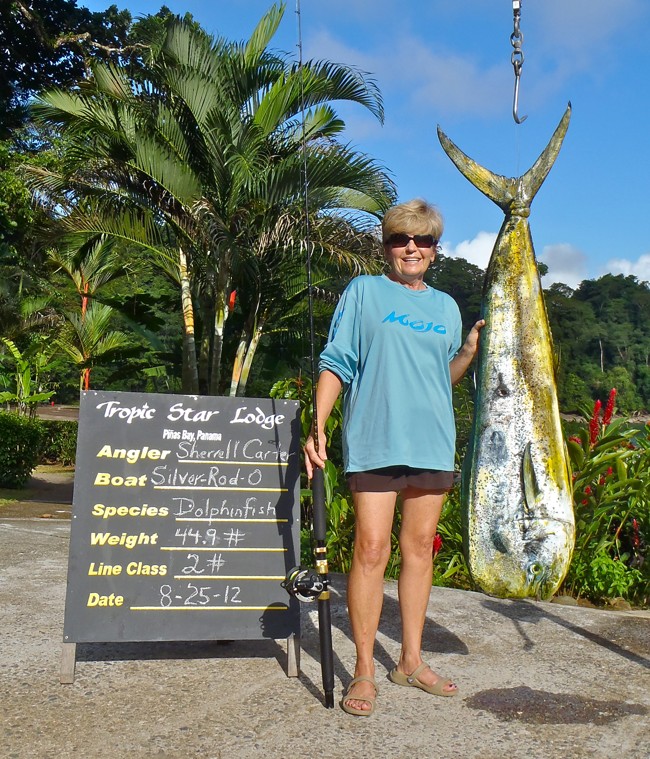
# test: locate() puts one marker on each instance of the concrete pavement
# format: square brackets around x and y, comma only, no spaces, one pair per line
[536,680]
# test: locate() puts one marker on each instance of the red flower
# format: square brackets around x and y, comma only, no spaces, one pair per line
[437,544]
[594,423]
[585,502]
[575,439]
[587,490]
[610,471]
[232,299]
[609,408]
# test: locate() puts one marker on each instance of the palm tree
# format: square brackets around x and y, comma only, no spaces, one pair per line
[275,300]
[90,341]
[199,157]
[90,268]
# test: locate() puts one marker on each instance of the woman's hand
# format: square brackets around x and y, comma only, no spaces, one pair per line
[312,458]
[459,363]
[471,343]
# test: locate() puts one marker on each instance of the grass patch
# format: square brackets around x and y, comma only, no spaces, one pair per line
[11,495]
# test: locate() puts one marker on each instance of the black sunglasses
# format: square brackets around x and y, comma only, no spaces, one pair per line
[401,240]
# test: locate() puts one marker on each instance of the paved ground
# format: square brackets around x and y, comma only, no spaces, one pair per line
[537,680]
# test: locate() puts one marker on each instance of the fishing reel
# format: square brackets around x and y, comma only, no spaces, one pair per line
[304,584]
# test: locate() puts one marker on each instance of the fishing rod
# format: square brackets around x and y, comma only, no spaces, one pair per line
[304,584]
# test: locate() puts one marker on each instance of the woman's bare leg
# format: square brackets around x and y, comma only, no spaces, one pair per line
[373,525]
[420,513]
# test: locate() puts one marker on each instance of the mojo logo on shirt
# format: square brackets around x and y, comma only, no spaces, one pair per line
[415,324]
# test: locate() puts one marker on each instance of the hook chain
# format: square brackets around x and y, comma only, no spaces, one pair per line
[517,57]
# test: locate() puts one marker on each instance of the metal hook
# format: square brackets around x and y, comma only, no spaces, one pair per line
[515,103]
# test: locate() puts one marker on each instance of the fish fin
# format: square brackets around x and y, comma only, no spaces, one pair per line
[532,180]
[510,194]
[531,486]
[498,188]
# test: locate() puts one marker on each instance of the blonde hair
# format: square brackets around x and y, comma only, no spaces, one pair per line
[414,217]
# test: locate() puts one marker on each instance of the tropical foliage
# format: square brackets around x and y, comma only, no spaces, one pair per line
[198,159]
[23,380]
[611,478]
[181,155]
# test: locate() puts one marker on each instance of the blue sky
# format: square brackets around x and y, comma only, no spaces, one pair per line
[447,62]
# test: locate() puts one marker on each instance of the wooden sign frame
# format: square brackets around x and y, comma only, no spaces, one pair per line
[185,521]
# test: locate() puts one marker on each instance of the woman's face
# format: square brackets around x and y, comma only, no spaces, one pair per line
[409,258]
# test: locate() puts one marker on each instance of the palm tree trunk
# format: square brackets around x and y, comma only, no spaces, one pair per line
[220,316]
[84,300]
[250,355]
[190,367]
[238,364]
[204,354]
[244,343]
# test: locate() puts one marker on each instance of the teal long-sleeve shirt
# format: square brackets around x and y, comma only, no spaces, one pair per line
[391,347]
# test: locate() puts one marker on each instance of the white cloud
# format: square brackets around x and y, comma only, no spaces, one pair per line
[447,83]
[582,27]
[477,251]
[639,268]
[451,83]
[566,264]
[323,45]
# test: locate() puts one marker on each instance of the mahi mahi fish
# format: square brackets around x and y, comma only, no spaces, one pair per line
[516,489]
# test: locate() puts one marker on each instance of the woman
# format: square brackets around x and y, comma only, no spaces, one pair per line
[394,348]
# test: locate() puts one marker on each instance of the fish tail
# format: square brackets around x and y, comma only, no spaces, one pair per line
[512,195]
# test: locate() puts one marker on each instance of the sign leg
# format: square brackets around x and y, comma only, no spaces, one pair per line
[293,655]
[68,661]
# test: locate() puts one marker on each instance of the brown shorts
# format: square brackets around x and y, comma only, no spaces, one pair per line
[397,478]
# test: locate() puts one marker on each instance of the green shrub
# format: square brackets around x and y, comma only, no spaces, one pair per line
[60,443]
[20,448]
[610,461]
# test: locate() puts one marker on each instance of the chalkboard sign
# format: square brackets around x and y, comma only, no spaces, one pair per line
[185,519]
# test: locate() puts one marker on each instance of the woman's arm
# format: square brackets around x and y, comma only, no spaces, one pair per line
[327,391]
[459,363]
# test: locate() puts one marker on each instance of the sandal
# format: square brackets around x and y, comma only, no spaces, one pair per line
[347,697]
[411,681]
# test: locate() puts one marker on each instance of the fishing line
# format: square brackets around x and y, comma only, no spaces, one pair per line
[300,582]
[307,228]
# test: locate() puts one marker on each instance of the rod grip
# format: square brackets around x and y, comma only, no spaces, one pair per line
[320,512]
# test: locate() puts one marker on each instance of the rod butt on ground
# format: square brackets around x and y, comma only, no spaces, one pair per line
[327,658]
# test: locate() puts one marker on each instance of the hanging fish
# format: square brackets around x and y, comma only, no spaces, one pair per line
[516,489]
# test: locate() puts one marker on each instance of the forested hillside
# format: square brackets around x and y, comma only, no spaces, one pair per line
[601,333]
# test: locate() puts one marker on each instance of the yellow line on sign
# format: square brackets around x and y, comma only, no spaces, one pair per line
[214,548]
[243,490]
[239,463]
[214,519]
[229,577]
[209,608]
